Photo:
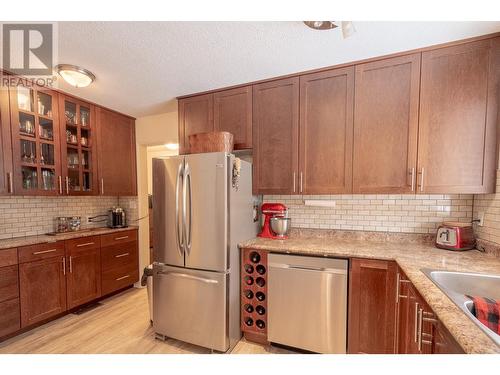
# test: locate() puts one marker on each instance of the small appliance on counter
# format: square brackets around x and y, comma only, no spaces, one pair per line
[455,236]
[64,224]
[117,217]
[276,221]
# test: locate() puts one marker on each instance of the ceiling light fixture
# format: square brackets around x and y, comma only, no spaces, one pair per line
[346,26]
[75,75]
[172,146]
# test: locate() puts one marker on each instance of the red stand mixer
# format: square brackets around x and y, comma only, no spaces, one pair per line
[272,210]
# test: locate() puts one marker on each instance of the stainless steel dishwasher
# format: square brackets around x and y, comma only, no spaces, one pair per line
[307,305]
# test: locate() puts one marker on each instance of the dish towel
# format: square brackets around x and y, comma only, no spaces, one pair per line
[487,311]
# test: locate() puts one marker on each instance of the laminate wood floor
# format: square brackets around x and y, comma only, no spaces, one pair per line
[119,326]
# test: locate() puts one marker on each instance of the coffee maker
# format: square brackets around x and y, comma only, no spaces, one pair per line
[272,210]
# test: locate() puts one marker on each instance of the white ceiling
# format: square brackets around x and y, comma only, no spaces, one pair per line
[142,66]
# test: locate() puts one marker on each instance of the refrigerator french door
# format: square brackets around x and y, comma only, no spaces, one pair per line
[196,263]
[191,209]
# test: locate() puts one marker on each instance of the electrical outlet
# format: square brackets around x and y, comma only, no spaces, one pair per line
[480,217]
[87,220]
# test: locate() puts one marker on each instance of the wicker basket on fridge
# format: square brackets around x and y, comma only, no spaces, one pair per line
[211,142]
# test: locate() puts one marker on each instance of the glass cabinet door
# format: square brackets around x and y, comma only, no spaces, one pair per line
[79,169]
[35,140]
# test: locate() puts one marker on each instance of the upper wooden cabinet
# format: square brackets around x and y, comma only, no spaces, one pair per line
[196,115]
[275,136]
[78,146]
[116,153]
[386,125]
[6,176]
[233,113]
[228,110]
[35,141]
[372,306]
[326,130]
[458,118]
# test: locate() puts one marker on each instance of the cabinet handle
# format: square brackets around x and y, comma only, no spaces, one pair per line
[67,185]
[122,278]
[422,180]
[70,264]
[11,182]
[416,322]
[102,186]
[121,255]
[60,185]
[44,251]
[397,287]
[301,182]
[121,238]
[413,179]
[64,265]
[294,177]
[85,244]
[430,320]
[398,282]
[420,324]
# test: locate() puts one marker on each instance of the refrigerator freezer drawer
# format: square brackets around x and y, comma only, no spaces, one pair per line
[191,306]
[307,305]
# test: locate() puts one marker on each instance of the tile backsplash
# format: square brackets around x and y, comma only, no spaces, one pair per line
[489,205]
[381,213]
[31,215]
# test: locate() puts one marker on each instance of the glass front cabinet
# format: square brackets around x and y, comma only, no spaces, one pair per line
[35,141]
[78,156]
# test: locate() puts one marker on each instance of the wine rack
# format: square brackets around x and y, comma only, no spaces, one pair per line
[254,272]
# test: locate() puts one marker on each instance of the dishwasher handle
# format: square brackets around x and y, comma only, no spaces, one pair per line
[308,268]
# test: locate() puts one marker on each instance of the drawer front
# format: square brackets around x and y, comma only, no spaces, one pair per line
[8,257]
[41,251]
[119,237]
[118,278]
[119,255]
[10,317]
[84,243]
[9,283]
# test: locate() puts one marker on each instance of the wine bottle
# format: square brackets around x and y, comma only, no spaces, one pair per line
[260,310]
[260,296]
[254,257]
[260,269]
[260,281]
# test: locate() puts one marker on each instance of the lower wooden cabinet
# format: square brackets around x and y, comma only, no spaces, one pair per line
[9,317]
[9,298]
[53,278]
[84,276]
[418,329]
[372,306]
[43,289]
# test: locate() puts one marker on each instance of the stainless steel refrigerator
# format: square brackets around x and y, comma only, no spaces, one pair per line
[200,215]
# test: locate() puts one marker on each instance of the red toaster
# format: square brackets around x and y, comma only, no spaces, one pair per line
[455,236]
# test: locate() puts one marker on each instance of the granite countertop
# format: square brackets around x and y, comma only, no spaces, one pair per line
[411,255]
[44,238]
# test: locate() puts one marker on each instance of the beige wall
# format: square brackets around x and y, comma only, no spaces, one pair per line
[157,129]
[150,131]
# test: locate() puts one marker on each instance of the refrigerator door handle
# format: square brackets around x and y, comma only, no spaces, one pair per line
[187,229]
[191,277]
[179,237]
